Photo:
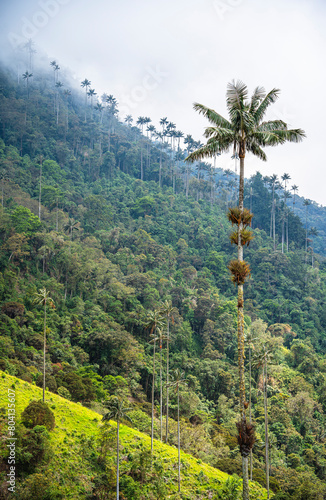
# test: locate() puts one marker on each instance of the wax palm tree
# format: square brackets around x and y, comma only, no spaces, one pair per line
[26,76]
[244,131]
[163,122]
[141,122]
[273,181]
[312,232]
[294,188]
[262,359]
[43,298]
[177,381]
[306,204]
[67,94]
[40,159]
[91,93]
[117,411]
[85,84]
[161,337]
[154,321]
[54,64]
[168,311]
[69,228]
[128,120]
[58,86]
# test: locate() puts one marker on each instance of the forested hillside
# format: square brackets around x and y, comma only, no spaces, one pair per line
[108,219]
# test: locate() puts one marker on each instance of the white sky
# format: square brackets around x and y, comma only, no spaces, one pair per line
[193,48]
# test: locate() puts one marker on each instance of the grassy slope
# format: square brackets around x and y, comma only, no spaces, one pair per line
[73,420]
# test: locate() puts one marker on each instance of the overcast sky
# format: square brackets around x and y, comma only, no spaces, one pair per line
[158,57]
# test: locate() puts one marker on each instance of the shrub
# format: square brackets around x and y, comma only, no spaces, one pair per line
[38,413]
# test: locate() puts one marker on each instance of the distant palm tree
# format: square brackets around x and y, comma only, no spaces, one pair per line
[312,232]
[85,84]
[91,93]
[54,64]
[262,359]
[273,181]
[67,94]
[168,311]
[27,76]
[306,204]
[58,86]
[294,188]
[154,321]
[42,297]
[128,120]
[118,412]
[70,227]
[244,131]
[141,122]
[177,381]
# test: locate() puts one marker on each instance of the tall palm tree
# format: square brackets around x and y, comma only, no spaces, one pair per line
[26,76]
[261,360]
[118,412]
[67,94]
[294,188]
[85,84]
[178,380]
[58,86]
[273,181]
[154,321]
[244,131]
[42,297]
[306,204]
[128,120]
[168,311]
[69,228]
[91,93]
[40,159]
[141,122]
[285,178]
[312,232]
[54,65]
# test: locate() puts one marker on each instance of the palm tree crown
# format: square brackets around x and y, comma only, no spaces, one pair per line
[246,130]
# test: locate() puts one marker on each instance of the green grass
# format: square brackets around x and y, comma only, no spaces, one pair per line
[75,423]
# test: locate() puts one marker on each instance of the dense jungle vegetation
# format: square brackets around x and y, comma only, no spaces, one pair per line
[107,218]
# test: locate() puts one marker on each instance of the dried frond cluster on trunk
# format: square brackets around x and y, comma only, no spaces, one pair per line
[246,437]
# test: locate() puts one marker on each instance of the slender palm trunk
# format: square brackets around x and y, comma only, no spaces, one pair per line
[266,426]
[40,192]
[141,162]
[250,406]
[161,393]
[245,478]
[167,383]
[179,461]
[153,382]
[44,350]
[240,297]
[118,425]
[241,347]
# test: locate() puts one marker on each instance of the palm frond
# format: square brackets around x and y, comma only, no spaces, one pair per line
[272,125]
[256,150]
[219,133]
[236,94]
[258,95]
[210,149]
[270,98]
[275,137]
[212,116]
